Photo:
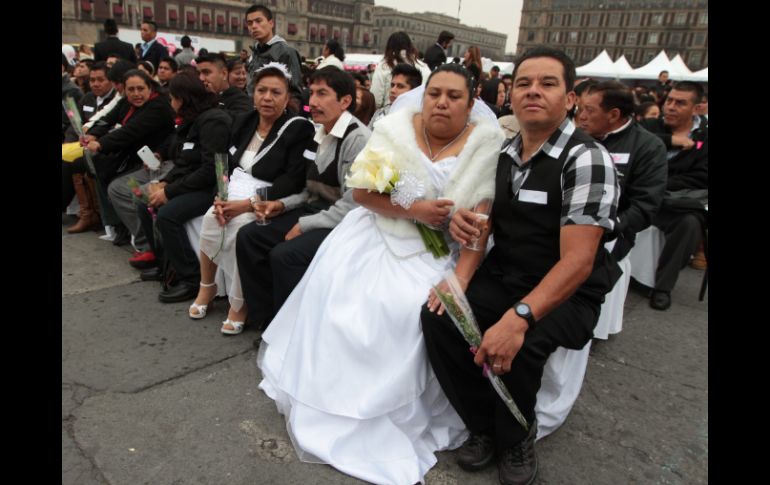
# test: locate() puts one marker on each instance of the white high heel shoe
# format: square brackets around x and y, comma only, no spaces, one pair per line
[200,310]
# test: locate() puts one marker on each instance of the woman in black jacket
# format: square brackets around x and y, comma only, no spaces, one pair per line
[189,188]
[270,150]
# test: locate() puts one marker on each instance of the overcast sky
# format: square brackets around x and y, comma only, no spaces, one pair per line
[496,15]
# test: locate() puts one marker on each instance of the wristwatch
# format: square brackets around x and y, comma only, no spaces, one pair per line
[523,310]
[253,201]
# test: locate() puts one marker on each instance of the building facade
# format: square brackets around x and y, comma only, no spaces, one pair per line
[423,29]
[638,29]
[305,24]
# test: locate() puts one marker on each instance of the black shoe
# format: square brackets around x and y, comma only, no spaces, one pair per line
[180,292]
[476,453]
[660,300]
[518,464]
[152,274]
[122,236]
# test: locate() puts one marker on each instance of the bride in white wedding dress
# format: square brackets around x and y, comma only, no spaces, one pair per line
[344,358]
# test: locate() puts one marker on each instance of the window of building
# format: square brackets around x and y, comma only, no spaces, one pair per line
[588,54]
[612,37]
[657,19]
[530,36]
[699,40]
[680,18]
[533,19]
[652,38]
[675,39]
[573,36]
[556,19]
[614,19]
[554,37]
[648,56]
[631,38]
[591,37]
[575,20]
[694,59]
[595,18]
[571,52]
[636,19]
[703,19]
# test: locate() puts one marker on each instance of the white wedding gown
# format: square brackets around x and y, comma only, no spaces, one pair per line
[345,360]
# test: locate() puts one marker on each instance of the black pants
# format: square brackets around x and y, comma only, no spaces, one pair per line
[683,232]
[271,267]
[481,409]
[171,218]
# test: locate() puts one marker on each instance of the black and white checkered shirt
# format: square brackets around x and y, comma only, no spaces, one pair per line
[588,179]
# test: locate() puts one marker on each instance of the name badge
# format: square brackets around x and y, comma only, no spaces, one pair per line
[620,158]
[233,150]
[534,196]
[88,109]
[188,146]
[309,155]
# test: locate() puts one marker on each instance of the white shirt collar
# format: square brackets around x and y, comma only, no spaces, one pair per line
[626,125]
[338,130]
[100,99]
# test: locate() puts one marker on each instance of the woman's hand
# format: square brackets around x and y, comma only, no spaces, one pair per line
[158,197]
[294,232]
[86,139]
[433,301]
[268,209]
[230,209]
[461,227]
[430,212]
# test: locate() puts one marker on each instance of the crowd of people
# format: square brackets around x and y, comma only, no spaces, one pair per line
[265,158]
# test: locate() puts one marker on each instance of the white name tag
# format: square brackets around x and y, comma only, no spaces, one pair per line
[309,155]
[534,196]
[233,150]
[88,109]
[188,146]
[620,158]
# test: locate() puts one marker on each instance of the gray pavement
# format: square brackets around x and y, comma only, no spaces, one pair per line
[152,397]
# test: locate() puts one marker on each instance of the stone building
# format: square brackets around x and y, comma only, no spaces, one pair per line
[423,29]
[638,29]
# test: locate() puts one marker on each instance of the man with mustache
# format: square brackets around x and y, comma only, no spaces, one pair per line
[271,261]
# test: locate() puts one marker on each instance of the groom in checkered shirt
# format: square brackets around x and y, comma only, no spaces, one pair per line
[542,284]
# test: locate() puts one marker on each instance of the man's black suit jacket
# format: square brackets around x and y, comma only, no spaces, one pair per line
[113,45]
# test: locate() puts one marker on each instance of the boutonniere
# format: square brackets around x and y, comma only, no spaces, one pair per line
[698,145]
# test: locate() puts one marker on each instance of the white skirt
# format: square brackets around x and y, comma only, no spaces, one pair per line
[345,360]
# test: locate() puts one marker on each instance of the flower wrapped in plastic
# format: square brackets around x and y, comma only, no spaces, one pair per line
[139,195]
[451,295]
[71,108]
[220,165]
[375,170]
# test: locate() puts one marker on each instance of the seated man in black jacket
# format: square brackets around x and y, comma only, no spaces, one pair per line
[682,214]
[212,69]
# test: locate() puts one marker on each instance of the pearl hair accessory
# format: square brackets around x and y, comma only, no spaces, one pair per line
[277,65]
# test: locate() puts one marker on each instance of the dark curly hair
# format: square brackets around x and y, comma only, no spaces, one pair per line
[189,89]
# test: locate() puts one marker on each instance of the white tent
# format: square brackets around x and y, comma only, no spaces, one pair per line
[623,68]
[602,66]
[679,70]
[652,69]
[701,76]
[361,61]
[487,63]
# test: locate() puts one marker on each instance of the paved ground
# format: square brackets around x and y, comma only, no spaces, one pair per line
[152,397]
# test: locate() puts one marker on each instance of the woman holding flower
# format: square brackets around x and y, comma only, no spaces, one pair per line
[267,151]
[344,358]
[187,190]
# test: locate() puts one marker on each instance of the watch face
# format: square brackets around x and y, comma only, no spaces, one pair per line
[522,309]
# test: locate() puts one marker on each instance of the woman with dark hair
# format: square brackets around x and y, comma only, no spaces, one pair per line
[187,190]
[236,74]
[647,109]
[344,358]
[398,49]
[364,105]
[333,55]
[493,94]
[147,67]
[269,150]
[472,62]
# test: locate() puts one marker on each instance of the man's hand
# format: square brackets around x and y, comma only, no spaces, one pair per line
[461,227]
[682,141]
[294,232]
[501,342]
[93,146]
[430,212]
